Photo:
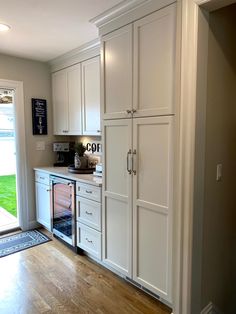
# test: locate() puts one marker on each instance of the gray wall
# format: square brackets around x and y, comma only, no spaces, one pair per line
[218,246]
[37,84]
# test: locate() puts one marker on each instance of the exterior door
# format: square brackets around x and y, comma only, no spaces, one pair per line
[154,63]
[152,203]
[117,195]
[117,73]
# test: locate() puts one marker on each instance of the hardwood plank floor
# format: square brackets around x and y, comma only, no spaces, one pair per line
[50,278]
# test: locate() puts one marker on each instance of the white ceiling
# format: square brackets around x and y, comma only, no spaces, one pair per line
[44,29]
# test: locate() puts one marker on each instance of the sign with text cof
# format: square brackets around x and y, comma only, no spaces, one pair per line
[39,116]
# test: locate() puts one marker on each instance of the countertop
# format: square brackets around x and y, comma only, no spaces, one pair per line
[63,172]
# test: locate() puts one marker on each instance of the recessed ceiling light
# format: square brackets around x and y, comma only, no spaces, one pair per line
[4,27]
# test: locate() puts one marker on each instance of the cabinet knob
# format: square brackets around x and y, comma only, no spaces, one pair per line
[99,131]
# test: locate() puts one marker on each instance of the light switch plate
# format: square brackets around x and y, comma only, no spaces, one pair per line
[40,145]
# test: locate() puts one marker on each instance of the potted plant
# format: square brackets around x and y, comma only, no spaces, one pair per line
[81,161]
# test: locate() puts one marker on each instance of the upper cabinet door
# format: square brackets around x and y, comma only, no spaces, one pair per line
[117,73]
[74,100]
[154,63]
[60,107]
[91,96]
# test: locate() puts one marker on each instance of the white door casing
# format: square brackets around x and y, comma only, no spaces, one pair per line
[21,157]
[191,75]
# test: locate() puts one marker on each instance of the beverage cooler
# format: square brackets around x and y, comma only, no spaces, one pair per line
[63,209]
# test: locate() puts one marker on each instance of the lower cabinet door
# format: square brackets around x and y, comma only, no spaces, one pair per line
[117,189]
[43,208]
[152,204]
[89,240]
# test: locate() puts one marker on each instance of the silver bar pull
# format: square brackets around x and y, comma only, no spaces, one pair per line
[128,161]
[88,213]
[134,169]
[128,111]
[133,111]
[89,241]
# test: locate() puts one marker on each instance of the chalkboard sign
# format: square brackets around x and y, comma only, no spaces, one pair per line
[39,116]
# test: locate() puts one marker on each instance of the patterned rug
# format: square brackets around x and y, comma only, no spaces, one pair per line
[21,241]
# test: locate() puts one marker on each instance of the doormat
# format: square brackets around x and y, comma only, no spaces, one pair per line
[21,241]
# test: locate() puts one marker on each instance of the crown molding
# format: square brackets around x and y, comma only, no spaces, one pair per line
[84,52]
[116,11]
[126,12]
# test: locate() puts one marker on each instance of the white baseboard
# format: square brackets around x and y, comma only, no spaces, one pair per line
[211,309]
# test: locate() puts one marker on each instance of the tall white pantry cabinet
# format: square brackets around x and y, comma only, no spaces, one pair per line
[138,73]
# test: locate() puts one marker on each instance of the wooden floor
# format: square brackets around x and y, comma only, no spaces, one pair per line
[50,278]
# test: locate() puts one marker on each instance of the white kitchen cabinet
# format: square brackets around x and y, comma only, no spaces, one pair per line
[154,63]
[137,200]
[91,96]
[60,102]
[42,199]
[138,67]
[117,73]
[117,196]
[76,99]
[67,105]
[152,203]
[88,217]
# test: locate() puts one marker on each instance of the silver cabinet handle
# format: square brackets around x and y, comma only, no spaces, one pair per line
[88,213]
[89,192]
[128,111]
[99,131]
[89,241]
[48,190]
[133,111]
[134,170]
[128,161]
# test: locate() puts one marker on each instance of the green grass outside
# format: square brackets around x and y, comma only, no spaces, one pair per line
[8,194]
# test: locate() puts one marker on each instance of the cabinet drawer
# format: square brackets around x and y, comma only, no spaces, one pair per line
[89,191]
[89,240]
[88,212]
[42,177]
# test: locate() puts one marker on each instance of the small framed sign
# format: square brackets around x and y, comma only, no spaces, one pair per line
[39,116]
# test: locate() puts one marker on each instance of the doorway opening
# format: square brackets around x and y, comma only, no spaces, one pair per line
[8,191]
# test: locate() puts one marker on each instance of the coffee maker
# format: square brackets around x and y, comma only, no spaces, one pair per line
[65,153]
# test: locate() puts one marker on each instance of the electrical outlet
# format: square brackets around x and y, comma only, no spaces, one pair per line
[40,145]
